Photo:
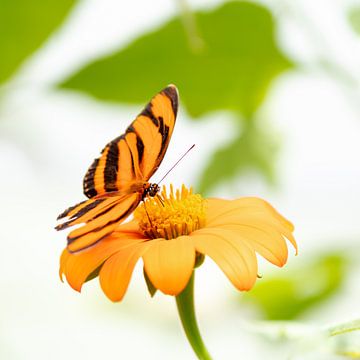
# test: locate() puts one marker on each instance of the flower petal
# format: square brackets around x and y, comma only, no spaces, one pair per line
[247,211]
[236,259]
[260,221]
[265,240]
[78,266]
[169,264]
[130,226]
[220,207]
[63,260]
[116,272]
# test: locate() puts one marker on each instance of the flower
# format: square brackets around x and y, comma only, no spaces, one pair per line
[171,231]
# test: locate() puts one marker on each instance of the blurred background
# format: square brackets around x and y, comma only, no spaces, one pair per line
[270,95]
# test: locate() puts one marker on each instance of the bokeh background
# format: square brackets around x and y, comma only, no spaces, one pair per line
[270,95]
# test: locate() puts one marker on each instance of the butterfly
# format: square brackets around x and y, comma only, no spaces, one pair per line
[117,181]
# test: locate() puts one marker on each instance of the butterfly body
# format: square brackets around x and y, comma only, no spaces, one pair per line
[117,181]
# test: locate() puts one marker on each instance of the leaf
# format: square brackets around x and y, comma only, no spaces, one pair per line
[253,149]
[24,26]
[151,288]
[94,274]
[354,18]
[232,70]
[288,296]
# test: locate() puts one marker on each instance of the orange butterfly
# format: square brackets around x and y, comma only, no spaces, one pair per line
[117,181]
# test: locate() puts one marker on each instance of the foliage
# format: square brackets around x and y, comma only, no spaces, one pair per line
[290,294]
[253,149]
[354,18]
[24,26]
[232,70]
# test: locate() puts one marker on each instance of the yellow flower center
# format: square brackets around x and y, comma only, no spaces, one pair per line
[169,216]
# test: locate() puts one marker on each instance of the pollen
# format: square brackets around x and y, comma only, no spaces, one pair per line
[171,215]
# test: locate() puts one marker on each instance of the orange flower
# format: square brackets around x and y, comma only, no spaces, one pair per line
[171,231]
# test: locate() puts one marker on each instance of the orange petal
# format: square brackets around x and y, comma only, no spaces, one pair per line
[236,259]
[220,207]
[63,260]
[130,226]
[169,264]
[248,211]
[215,208]
[80,265]
[116,273]
[265,240]
[260,221]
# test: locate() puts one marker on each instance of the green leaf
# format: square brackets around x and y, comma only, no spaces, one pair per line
[24,26]
[151,288]
[254,149]
[232,70]
[288,296]
[94,274]
[354,18]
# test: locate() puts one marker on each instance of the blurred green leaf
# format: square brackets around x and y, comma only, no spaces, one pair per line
[24,26]
[254,149]
[288,296]
[232,70]
[354,18]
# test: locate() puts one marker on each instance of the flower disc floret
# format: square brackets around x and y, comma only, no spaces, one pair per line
[169,216]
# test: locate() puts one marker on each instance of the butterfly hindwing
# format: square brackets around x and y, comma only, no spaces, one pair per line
[102,221]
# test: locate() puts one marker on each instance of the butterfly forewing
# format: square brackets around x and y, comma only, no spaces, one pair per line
[136,154]
[115,181]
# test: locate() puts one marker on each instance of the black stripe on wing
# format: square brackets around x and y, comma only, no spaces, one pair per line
[89,183]
[122,216]
[171,92]
[111,165]
[78,214]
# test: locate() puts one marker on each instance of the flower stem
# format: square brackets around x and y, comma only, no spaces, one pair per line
[186,309]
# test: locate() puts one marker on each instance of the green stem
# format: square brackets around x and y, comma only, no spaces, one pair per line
[186,309]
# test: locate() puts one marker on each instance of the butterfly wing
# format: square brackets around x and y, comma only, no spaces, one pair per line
[114,181]
[99,218]
[135,155]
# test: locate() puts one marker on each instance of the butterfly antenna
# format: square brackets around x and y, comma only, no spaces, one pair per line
[191,147]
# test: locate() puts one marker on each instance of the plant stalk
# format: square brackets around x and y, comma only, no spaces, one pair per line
[186,310]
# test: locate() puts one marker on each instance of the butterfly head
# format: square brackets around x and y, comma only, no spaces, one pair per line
[151,189]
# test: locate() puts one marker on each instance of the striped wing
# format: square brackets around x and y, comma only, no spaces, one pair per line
[99,217]
[135,155]
[114,182]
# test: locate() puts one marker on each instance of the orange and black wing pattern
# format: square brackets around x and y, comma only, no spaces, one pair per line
[114,182]
[135,155]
